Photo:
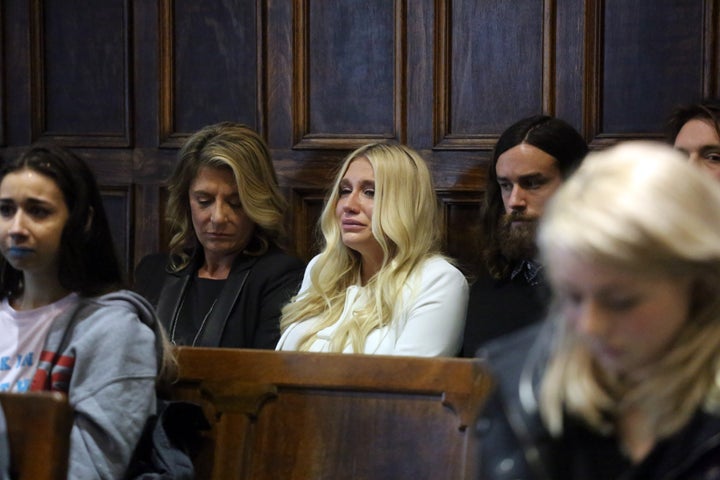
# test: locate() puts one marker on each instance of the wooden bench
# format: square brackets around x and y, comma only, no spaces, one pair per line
[38,428]
[293,415]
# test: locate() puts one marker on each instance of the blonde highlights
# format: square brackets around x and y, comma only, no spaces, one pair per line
[405,225]
[244,152]
[638,207]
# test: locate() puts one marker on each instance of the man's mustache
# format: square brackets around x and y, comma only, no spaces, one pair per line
[509,218]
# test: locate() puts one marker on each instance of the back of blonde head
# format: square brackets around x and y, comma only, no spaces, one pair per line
[405,224]
[639,207]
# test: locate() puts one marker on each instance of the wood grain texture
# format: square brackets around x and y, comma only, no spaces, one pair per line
[124,83]
[38,429]
[328,416]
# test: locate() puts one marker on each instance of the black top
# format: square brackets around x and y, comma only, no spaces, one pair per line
[247,311]
[498,307]
[200,300]
[515,444]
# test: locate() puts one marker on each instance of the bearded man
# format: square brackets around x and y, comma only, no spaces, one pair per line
[530,161]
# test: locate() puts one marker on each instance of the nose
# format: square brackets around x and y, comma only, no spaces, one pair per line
[516,200]
[218,214]
[350,202]
[17,225]
[694,159]
[591,321]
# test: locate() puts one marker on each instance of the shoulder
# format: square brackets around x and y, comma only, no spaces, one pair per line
[438,269]
[507,354]
[279,261]
[495,349]
[117,311]
[153,262]
[509,421]
[150,273]
[114,324]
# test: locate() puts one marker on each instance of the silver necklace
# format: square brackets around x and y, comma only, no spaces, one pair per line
[199,330]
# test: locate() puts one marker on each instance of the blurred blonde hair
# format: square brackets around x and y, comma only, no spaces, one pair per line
[641,208]
[242,150]
[405,224]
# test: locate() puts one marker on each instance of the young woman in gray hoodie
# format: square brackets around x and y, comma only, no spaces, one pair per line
[67,323]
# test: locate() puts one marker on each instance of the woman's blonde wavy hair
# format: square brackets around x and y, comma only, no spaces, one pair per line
[639,207]
[240,149]
[405,224]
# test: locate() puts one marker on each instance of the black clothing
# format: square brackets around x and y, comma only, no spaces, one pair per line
[499,307]
[246,314]
[200,299]
[515,445]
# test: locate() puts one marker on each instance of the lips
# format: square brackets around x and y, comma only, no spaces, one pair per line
[607,354]
[19,252]
[352,225]
[217,235]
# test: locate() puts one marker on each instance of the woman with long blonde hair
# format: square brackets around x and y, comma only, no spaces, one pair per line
[623,380]
[380,285]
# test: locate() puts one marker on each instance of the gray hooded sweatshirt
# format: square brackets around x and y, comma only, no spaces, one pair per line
[104,354]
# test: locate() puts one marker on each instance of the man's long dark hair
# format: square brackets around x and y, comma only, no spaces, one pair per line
[88,263]
[551,135]
[707,109]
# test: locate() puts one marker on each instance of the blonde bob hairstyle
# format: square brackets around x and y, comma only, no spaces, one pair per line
[405,225]
[642,208]
[240,149]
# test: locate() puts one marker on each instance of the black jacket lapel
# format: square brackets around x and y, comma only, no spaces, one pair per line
[213,331]
[171,295]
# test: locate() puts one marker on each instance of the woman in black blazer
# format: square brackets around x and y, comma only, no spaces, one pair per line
[225,278]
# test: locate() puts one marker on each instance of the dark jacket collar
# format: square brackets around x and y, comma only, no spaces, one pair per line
[175,289]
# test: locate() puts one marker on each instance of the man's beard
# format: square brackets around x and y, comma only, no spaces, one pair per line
[517,242]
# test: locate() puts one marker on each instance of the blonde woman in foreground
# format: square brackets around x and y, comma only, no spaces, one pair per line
[623,381]
[379,286]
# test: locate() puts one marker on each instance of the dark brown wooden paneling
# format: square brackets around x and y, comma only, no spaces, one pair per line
[118,206]
[2,75]
[460,214]
[349,77]
[640,61]
[124,82]
[210,68]
[569,61]
[306,207]
[80,67]
[645,68]
[492,75]
[324,416]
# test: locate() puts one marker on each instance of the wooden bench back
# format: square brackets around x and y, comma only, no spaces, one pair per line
[39,425]
[292,415]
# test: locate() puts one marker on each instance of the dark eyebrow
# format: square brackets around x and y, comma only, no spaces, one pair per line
[205,192]
[701,150]
[363,184]
[527,177]
[37,201]
[32,202]
[710,147]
